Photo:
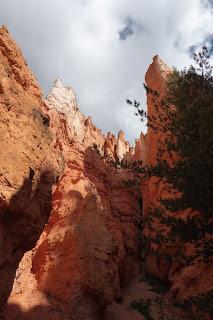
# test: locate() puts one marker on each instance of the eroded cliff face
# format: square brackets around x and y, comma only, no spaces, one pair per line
[56,167]
[143,297]
[186,280]
[29,166]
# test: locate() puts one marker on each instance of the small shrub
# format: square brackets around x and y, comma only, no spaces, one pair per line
[159,286]
[143,307]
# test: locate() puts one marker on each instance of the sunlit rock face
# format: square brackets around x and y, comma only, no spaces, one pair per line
[155,78]
[29,166]
[186,281]
[80,129]
[87,250]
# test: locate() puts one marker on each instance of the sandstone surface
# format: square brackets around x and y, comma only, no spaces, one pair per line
[29,166]
[88,249]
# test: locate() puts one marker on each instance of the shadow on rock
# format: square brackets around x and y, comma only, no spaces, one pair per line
[39,312]
[21,223]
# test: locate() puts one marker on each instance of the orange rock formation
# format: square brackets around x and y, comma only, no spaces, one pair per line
[88,249]
[29,166]
[186,281]
[68,223]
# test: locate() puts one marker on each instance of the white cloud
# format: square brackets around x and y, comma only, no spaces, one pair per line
[80,42]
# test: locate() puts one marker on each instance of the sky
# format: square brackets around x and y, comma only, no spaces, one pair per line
[102,48]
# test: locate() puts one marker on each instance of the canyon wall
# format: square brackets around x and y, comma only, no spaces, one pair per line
[70,224]
[29,166]
[187,280]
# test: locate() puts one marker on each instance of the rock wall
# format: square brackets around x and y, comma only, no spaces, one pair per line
[29,166]
[69,224]
[79,259]
[186,280]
